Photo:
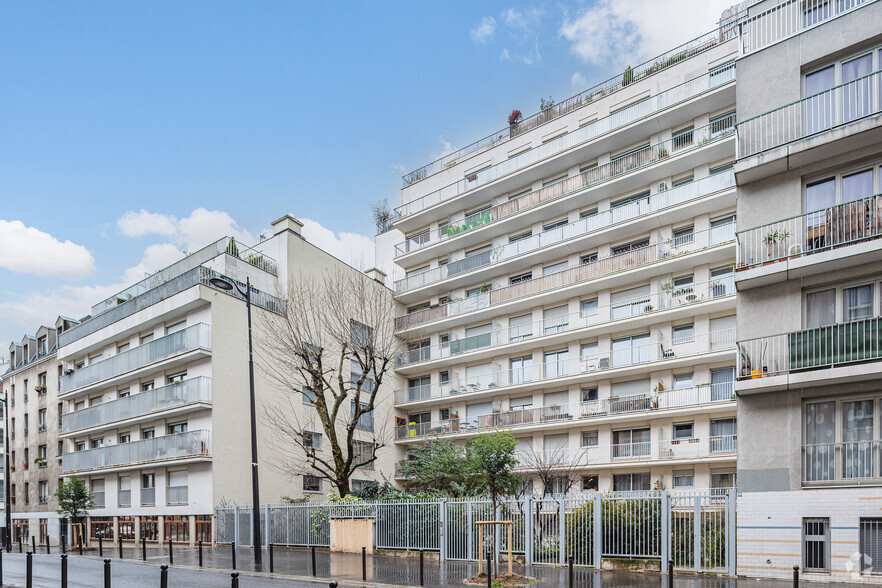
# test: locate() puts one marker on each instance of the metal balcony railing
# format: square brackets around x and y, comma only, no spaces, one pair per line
[650,254]
[555,414]
[177,446]
[601,90]
[852,462]
[665,299]
[820,347]
[585,226]
[183,341]
[788,18]
[177,494]
[661,101]
[622,356]
[812,232]
[819,113]
[195,390]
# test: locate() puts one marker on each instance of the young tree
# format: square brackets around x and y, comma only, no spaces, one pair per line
[439,466]
[74,500]
[554,468]
[329,356]
[493,462]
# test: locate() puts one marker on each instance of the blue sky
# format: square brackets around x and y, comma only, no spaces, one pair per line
[134,130]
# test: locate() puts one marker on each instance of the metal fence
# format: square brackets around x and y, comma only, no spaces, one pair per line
[695,529]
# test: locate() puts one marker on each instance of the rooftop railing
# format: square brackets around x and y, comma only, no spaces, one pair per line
[590,269]
[145,451]
[616,120]
[811,233]
[193,337]
[195,390]
[197,275]
[558,413]
[666,299]
[593,94]
[789,18]
[634,353]
[819,347]
[813,115]
[651,204]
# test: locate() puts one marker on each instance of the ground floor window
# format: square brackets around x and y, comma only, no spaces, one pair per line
[871,545]
[177,528]
[203,528]
[20,531]
[150,528]
[631,482]
[816,545]
[44,531]
[102,526]
[127,528]
[590,483]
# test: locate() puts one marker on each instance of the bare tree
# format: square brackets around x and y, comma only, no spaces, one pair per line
[329,356]
[555,469]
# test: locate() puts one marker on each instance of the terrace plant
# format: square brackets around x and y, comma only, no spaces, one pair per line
[772,239]
[514,118]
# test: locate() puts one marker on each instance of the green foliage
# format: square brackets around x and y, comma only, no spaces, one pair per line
[545,105]
[713,539]
[628,76]
[493,461]
[438,467]
[232,248]
[74,500]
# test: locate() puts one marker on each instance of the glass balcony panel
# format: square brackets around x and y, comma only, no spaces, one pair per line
[190,444]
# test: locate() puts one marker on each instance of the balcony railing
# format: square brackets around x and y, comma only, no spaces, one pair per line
[556,414]
[625,356]
[163,291]
[125,498]
[653,253]
[789,18]
[664,300]
[143,403]
[177,446]
[670,450]
[810,233]
[148,496]
[821,347]
[620,214]
[819,113]
[630,163]
[183,341]
[851,463]
[177,494]
[685,91]
[606,88]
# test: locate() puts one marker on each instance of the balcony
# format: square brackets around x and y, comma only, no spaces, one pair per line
[610,86]
[177,495]
[806,131]
[192,444]
[578,137]
[722,448]
[651,205]
[789,18]
[802,353]
[665,251]
[798,246]
[660,152]
[193,338]
[624,358]
[188,392]
[852,463]
[624,310]
[643,405]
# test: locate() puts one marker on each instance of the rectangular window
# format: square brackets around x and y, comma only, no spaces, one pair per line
[312,484]
[590,258]
[148,433]
[553,225]
[816,544]
[589,308]
[820,308]
[176,378]
[308,397]
[858,302]
[684,431]
[554,268]
[684,478]
[179,326]
[684,334]
[555,320]
[520,278]
[870,542]
[520,327]
[857,436]
[556,364]
[521,369]
[682,381]
[589,439]
[176,428]
[631,482]
[520,237]
[684,236]
[590,483]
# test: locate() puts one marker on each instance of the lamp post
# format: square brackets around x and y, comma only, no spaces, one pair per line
[8,537]
[228,285]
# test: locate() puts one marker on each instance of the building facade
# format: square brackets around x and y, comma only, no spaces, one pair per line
[808,278]
[153,388]
[570,278]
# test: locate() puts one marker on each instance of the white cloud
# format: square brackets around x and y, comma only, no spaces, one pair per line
[399,168]
[27,250]
[627,33]
[578,81]
[485,30]
[197,230]
[522,24]
[355,249]
[505,55]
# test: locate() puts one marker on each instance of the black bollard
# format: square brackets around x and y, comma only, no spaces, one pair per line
[200,553]
[63,570]
[795,576]
[106,573]
[143,548]
[19,544]
[364,563]
[1,566]
[64,544]
[80,539]
[670,573]
[233,546]
[100,544]
[234,583]
[163,576]
[171,555]
[333,584]
[33,544]
[313,560]
[29,581]
[270,547]
[47,546]
[422,575]
[572,577]
[119,541]
[489,569]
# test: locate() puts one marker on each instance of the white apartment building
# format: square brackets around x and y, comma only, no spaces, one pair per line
[809,278]
[155,392]
[570,278]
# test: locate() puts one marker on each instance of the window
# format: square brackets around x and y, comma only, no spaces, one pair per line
[631,443]
[553,225]
[148,433]
[125,438]
[177,428]
[684,334]
[124,393]
[146,386]
[122,348]
[723,384]
[684,431]
[555,364]
[520,237]
[589,308]
[41,419]
[148,489]
[684,478]
[870,542]
[520,278]
[589,439]
[124,486]
[42,452]
[818,107]
[858,302]
[628,247]
[176,378]
[312,484]
[857,436]
[588,213]
[554,268]
[684,236]
[589,352]
[362,335]
[723,434]
[44,492]
[816,544]
[590,258]
[589,394]
[416,241]
[682,182]
[308,396]
[590,483]
[419,387]
[631,350]
[722,480]
[178,326]
[80,446]
[682,381]
[96,443]
[631,482]
[682,139]
[520,327]
[555,320]
[521,369]
[477,291]
[146,338]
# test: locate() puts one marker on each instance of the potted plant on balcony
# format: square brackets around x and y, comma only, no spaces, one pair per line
[39,389]
[628,76]
[24,466]
[40,461]
[771,241]
[662,152]
[513,119]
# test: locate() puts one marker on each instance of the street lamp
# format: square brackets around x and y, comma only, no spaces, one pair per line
[228,285]
[8,538]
